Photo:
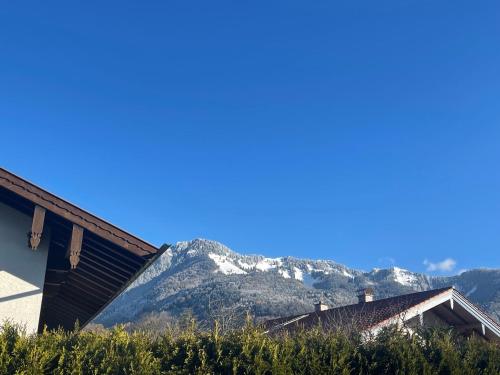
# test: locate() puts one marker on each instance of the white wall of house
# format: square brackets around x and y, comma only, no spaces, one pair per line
[22,270]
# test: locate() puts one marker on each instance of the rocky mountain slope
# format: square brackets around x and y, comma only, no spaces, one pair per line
[208,280]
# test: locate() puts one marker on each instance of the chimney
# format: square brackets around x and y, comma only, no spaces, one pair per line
[365,295]
[320,306]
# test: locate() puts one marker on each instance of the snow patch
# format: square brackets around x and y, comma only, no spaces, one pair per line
[298,275]
[244,265]
[404,277]
[267,264]
[285,274]
[347,274]
[225,266]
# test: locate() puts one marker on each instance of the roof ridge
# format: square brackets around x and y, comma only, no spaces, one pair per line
[438,290]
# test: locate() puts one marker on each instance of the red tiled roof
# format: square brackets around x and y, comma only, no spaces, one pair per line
[360,316]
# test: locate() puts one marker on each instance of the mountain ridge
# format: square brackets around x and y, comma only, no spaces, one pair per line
[207,278]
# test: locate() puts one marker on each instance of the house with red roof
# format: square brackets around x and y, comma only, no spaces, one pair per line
[445,308]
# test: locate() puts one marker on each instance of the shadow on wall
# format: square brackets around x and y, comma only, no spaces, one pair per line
[18,263]
[20,295]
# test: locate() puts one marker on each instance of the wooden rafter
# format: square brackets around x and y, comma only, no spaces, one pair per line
[37,227]
[101,267]
[91,281]
[75,246]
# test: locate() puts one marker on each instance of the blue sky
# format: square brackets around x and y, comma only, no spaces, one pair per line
[360,131]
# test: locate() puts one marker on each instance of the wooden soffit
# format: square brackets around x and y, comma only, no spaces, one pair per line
[75,214]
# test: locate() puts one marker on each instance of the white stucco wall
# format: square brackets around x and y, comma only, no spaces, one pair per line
[22,270]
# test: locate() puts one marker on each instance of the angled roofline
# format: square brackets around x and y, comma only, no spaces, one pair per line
[128,283]
[476,311]
[442,295]
[449,294]
[415,309]
[291,320]
[295,318]
[75,214]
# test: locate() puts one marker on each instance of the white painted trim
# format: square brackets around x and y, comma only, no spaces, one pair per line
[478,314]
[284,324]
[449,295]
[414,310]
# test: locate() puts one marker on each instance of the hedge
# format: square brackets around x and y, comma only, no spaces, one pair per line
[245,351]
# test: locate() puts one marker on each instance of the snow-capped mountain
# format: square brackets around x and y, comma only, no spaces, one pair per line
[203,276]
[228,262]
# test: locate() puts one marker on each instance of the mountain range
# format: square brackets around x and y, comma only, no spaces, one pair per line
[208,280]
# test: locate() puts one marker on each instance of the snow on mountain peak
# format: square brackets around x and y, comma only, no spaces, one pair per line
[201,267]
[201,246]
[228,262]
[404,277]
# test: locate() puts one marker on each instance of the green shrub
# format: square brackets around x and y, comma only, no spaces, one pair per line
[246,351]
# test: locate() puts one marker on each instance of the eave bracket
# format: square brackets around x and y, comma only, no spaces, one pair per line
[35,235]
[75,246]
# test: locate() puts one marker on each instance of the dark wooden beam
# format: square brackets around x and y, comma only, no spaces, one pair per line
[129,257]
[79,302]
[125,271]
[69,308]
[103,269]
[99,276]
[90,278]
[63,307]
[87,286]
[75,246]
[99,296]
[36,227]
[66,318]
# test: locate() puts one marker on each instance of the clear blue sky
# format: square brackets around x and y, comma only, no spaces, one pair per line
[367,132]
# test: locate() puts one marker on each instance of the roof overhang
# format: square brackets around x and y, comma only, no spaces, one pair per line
[453,301]
[90,261]
[449,308]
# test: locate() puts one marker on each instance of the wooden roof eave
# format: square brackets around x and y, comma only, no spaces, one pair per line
[130,281]
[75,215]
[413,311]
[476,313]
[451,295]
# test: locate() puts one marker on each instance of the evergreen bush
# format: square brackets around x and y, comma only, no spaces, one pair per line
[245,351]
